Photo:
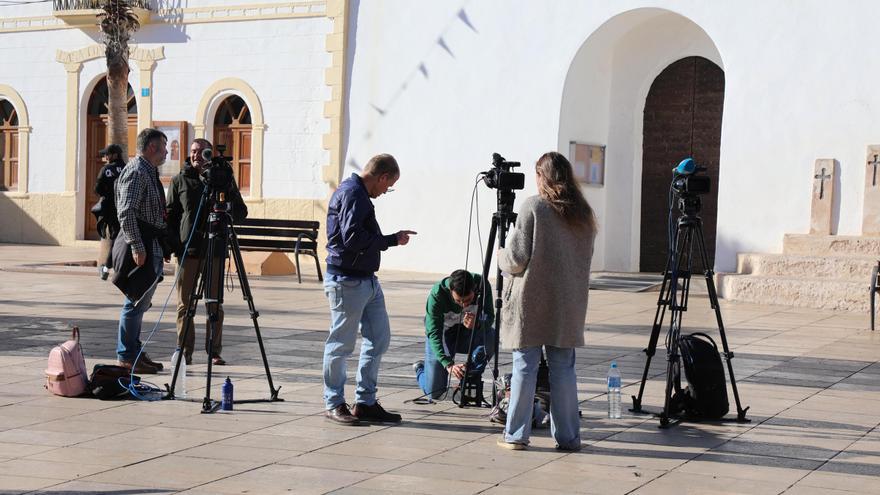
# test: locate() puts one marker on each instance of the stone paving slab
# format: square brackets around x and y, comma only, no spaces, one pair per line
[811,378]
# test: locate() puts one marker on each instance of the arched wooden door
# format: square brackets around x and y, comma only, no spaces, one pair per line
[682,119]
[233,129]
[97,136]
[8,147]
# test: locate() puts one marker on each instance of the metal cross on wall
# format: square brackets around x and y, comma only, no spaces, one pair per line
[874,163]
[822,176]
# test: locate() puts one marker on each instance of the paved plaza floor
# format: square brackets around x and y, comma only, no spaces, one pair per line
[810,378]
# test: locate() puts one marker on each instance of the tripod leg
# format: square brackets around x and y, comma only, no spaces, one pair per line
[487,262]
[659,314]
[677,303]
[191,307]
[246,292]
[713,299]
[208,406]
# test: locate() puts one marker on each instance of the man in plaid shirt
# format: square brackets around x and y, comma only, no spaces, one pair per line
[140,203]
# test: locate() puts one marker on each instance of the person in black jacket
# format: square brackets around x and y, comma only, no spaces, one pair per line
[184,198]
[105,209]
[354,246]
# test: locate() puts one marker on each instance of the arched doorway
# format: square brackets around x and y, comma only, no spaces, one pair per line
[682,118]
[9,146]
[97,136]
[233,129]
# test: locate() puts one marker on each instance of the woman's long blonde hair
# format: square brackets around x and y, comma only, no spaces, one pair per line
[560,189]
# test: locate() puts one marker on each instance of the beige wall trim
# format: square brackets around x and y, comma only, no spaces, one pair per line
[73,62]
[145,58]
[252,12]
[24,132]
[23,24]
[229,86]
[146,61]
[334,77]
[90,52]
[38,218]
[197,15]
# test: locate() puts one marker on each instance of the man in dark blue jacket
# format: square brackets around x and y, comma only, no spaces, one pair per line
[354,246]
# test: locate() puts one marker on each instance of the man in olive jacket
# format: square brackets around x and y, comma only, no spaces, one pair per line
[184,198]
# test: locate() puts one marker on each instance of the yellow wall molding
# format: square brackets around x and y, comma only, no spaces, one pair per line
[23,24]
[251,12]
[146,59]
[90,52]
[38,218]
[73,61]
[229,86]
[197,15]
[24,132]
[334,76]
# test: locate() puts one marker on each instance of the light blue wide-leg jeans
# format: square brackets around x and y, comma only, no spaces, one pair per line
[564,418]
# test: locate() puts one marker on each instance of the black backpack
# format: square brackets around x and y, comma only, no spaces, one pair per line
[706,394]
[110,382]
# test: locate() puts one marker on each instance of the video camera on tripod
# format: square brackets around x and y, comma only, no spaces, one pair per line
[687,256]
[500,176]
[505,181]
[218,174]
[689,183]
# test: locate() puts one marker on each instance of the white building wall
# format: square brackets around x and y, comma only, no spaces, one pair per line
[799,86]
[283,60]
[27,63]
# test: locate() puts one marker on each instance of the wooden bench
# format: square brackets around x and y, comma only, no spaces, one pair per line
[283,236]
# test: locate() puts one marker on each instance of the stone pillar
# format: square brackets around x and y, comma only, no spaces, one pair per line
[871,207]
[73,69]
[145,102]
[823,196]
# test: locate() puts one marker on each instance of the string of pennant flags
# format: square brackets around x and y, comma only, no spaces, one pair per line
[420,70]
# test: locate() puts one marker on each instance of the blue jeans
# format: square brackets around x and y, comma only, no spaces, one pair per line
[564,418]
[433,377]
[128,341]
[355,304]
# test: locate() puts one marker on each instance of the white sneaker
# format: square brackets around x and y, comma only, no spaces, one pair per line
[420,364]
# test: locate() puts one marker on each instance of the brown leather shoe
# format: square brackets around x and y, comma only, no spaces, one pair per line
[145,358]
[341,415]
[141,368]
[218,361]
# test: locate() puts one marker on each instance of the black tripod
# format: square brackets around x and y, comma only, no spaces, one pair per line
[501,222]
[220,240]
[674,296]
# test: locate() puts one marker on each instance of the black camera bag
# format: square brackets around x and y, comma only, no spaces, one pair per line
[706,394]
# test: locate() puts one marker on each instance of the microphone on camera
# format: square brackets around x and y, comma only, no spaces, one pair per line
[685,167]
[207,154]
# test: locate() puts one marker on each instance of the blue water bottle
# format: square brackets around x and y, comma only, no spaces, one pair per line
[226,403]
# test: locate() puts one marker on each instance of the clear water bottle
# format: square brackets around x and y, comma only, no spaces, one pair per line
[614,407]
[226,402]
[180,386]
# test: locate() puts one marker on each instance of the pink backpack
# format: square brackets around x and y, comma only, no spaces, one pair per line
[66,372]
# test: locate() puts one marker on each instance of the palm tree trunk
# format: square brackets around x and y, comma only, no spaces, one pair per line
[117,105]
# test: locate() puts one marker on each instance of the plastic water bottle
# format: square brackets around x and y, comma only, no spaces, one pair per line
[226,403]
[180,386]
[614,392]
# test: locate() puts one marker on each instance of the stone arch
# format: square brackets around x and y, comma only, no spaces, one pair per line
[603,102]
[204,121]
[24,131]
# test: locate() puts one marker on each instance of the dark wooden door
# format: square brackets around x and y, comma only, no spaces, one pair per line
[97,136]
[237,139]
[682,119]
[8,147]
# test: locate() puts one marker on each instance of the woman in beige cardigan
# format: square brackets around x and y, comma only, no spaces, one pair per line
[547,258]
